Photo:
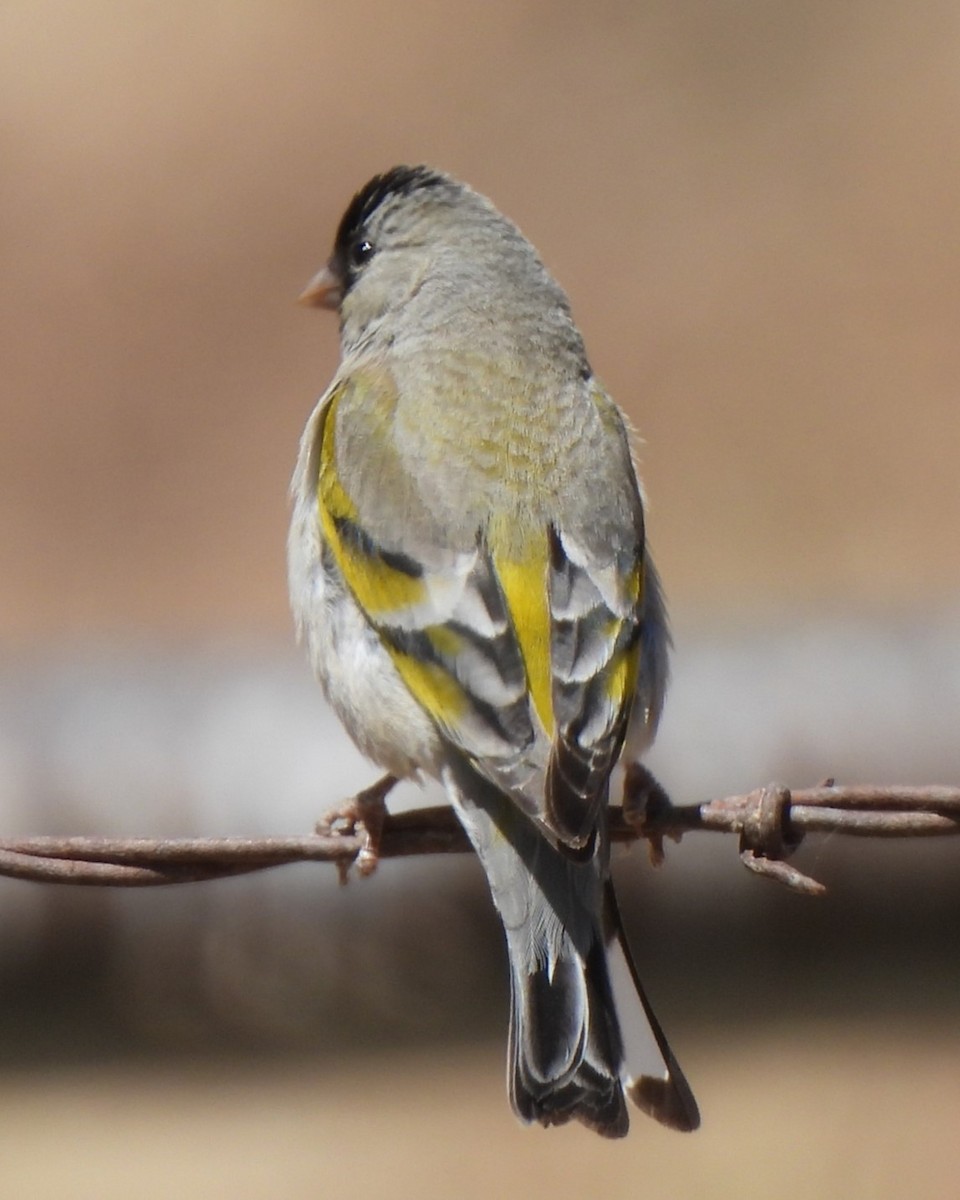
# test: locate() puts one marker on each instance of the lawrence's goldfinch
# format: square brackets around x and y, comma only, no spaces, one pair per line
[467,567]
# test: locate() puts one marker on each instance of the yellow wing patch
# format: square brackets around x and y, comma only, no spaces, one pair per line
[522,571]
[383,584]
[433,687]
[380,585]
[431,683]
[621,681]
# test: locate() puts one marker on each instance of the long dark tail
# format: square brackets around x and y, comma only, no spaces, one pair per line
[565,1048]
[582,1033]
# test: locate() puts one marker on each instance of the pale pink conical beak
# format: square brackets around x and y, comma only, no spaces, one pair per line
[323,291]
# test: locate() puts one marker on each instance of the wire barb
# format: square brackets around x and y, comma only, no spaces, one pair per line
[770,823]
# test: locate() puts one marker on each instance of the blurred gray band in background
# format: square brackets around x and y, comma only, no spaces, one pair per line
[205,742]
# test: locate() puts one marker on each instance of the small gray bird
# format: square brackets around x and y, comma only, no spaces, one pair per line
[467,567]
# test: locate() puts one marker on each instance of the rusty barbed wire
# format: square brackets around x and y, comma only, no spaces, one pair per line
[770,821]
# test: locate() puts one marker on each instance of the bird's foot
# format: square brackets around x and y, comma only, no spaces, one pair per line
[644,799]
[361,816]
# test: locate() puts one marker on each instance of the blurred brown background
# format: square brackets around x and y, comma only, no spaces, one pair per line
[754,208]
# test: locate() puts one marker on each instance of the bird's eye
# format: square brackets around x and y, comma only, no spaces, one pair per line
[361,251]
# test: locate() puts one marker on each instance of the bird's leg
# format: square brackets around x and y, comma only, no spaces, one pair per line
[363,816]
[643,798]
